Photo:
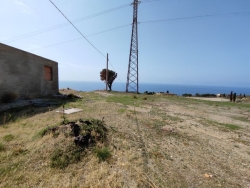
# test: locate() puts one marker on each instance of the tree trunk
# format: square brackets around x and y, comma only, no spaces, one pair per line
[110,86]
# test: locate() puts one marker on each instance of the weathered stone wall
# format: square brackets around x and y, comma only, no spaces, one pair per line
[22,73]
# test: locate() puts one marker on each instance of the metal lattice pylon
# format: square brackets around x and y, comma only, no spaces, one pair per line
[132,76]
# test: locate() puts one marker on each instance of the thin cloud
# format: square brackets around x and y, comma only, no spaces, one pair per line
[20,3]
[25,9]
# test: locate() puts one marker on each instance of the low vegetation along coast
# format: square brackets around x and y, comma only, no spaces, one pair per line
[126,140]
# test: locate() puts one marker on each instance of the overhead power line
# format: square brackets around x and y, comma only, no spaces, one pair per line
[78,30]
[82,37]
[64,24]
[149,1]
[144,22]
[81,33]
[192,17]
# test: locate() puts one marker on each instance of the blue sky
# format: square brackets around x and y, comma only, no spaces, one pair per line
[210,49]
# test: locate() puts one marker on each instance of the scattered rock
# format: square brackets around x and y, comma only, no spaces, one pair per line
[169,129]
[208,175]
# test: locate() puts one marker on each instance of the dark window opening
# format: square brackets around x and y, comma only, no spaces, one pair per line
[47,73]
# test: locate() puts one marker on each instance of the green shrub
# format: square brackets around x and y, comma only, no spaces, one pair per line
[102,153]
[8,137]
[8,97]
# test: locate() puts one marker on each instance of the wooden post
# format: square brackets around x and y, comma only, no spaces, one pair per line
[107,72]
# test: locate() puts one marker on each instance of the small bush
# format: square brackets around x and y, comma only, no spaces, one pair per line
[197,95]
[2,148]
[187,95]
[8,137]
[102,153]
[144,98]
[208,95]
[134,96]
[8,97]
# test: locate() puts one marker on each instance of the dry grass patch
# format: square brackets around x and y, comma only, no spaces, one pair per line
[137,153]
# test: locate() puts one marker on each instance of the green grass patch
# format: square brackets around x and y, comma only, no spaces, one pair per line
[244,119]
[8,137]
[157,124]
[172,118]
[157,112]
[44,131]
[122,110]
[59,159]
[230,126]
[190,100]
[102,153]
[125,100]
[62,158]
[41,133]
[223,104]
[223,126]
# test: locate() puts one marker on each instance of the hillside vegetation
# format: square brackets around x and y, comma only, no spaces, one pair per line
[144,141]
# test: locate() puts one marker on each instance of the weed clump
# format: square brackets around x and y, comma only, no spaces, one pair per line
[134,96]
[85,133]
[8,137]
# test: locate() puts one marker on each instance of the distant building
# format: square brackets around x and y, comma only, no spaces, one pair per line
[25,74]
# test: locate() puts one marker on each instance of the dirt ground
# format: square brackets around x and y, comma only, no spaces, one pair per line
[155,141]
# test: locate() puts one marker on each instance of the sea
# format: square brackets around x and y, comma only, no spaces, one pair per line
[177,89]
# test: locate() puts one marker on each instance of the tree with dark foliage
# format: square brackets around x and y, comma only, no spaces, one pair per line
[111,77]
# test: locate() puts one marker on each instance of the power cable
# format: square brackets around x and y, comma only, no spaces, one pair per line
[63,25]
[66,24]
[144,22]
[192,17]
[81,33]
[77,29]
[149,1]
[81,37]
